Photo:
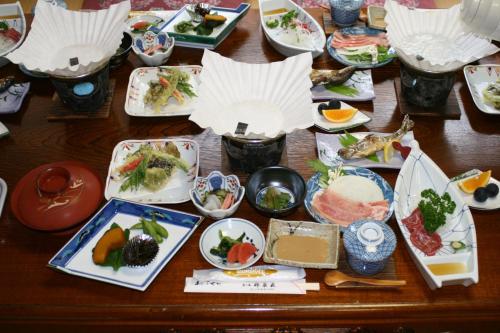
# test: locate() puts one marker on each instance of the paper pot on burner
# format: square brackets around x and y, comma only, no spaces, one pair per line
[70,43]
[434,40]
[254,100]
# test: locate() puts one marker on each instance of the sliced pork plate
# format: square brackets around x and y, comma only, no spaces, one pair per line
[359,194]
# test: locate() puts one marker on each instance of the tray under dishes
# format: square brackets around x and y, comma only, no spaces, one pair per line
[328,145]
[278,228]
[76,255]
[319,121]
[360,84]
[478,77]
[191,39]
[138,85]
[177,188]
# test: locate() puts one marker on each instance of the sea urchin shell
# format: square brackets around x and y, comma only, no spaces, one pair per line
[140,250]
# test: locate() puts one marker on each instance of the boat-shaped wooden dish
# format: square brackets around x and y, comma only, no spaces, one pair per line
[13,15]
[275,9]
[418,173]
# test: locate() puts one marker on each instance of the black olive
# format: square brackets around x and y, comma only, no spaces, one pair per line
[334,104]
[492,190]
[480,194]
[321,107]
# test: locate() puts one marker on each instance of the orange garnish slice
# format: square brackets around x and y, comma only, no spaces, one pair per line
[339,115]
[469,185]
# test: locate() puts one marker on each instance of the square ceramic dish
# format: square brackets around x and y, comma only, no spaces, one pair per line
[176,189]
[138,85]
[376,16]
[328,145]
[478,77]
[278,228]
[191,39]
[319,121]
[358,88]
[75,257]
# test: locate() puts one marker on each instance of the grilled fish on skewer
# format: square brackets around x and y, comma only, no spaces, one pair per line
[373,142]
[332,76]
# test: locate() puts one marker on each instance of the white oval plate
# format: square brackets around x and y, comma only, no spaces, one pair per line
[232,227]
[478,77]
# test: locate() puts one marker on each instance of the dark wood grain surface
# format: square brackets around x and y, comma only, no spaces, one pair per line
[35,297]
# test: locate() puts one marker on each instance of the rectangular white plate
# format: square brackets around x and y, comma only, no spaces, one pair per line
[478,77]
[177,188]
[359,119]
[328,145]
[76,255]
[360,80]
[138,85]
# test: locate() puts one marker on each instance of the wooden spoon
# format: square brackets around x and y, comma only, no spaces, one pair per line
[336,278]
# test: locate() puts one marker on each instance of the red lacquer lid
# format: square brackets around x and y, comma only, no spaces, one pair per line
[39,210]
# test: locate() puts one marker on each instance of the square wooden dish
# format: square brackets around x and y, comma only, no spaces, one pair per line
[328,232]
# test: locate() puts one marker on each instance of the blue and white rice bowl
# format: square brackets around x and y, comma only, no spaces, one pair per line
[418,173]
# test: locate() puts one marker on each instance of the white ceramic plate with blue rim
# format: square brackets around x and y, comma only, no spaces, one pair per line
[329,144]
[319,121]
[489,204]
[313,187]
[234,228]
[419,173]
[355,31]
[478,77]
[76,256]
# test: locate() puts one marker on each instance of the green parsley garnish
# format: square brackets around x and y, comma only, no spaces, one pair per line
[434,209]
[272,23]
[287,19]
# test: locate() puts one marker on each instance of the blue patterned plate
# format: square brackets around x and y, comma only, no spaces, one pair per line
[313,187]
[355,31]
[76,256]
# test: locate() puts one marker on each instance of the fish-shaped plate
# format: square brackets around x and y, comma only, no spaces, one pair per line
[358,88]
[329,144]
[319,121]
[75,257]
[313,187]
[419,173]
[270,9]
[355,31]
[478,77]
[176,190]
[489,204]
[138,85]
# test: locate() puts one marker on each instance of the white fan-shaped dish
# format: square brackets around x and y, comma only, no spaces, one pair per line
[276,36]
[270,98]
[18,23]
[418,173]
[59,36]
[433,40]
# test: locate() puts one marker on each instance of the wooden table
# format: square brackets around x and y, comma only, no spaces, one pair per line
[36,298]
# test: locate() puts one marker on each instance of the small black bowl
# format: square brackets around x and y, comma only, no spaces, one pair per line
[277,176]
[122,53]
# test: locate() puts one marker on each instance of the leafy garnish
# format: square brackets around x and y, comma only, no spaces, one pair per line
[383,54]
[272,23]
[434,209]
[203,30]
[4,26]
[322,168]
[342,90]
[136,177]
[275,199]
[183,27]
[348,139]
[287,19]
